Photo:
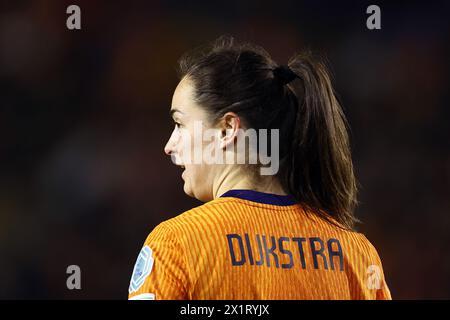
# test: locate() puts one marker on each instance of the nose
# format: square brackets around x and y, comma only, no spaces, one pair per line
[168,148]
[170,145]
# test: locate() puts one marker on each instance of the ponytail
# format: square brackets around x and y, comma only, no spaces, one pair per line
[318,170]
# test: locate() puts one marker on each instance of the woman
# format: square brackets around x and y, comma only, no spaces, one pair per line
[286,234]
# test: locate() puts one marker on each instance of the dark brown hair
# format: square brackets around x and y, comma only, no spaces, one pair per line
[315,158]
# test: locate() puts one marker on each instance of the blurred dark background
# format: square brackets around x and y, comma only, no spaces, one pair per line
[84,119]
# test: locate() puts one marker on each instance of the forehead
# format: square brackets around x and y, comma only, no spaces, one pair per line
[183,99]
[183,93]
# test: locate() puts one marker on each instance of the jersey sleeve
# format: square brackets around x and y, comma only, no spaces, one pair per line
[383,293]
[160,272]
[375,275]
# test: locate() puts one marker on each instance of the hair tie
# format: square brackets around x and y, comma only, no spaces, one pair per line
[284,74]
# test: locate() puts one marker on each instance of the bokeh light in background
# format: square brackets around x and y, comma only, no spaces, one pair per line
[84,119]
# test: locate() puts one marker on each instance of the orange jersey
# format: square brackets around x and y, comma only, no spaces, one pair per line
[253,245]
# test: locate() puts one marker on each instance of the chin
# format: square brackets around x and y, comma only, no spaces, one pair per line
[187,190]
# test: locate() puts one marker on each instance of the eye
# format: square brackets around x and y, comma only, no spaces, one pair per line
[177,124]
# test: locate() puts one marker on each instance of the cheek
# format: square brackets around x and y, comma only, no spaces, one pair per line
[202,176]
[201,182]
[190,148]
[182,142]
[196,172]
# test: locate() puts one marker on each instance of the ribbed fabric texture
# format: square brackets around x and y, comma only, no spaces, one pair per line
[231,248]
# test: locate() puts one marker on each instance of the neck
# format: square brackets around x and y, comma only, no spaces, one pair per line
[230,179]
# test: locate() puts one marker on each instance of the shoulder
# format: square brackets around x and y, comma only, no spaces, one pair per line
[360,244]
[205,218]
[374,271]
[212,210]
[369,247]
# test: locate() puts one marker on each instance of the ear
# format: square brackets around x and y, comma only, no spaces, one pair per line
[229,126]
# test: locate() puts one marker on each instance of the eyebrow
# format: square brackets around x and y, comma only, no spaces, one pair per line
[172,111]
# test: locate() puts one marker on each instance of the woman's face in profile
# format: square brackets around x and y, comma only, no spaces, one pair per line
[185,149]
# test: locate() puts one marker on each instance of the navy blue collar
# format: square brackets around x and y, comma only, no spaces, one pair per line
[261,197]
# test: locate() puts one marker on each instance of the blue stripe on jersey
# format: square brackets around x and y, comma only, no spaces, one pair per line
[261,197]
